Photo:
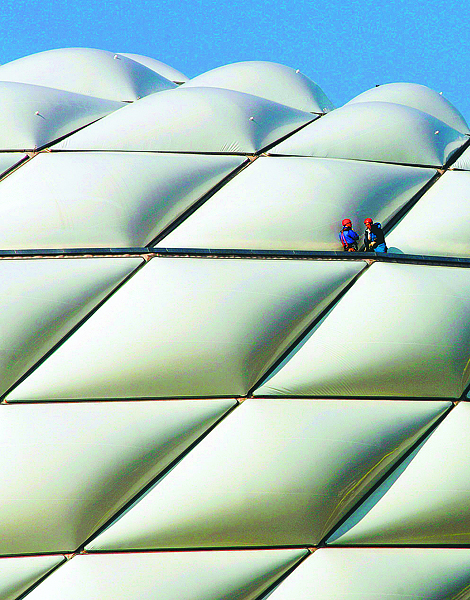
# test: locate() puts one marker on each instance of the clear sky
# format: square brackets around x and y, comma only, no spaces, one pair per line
[345,46]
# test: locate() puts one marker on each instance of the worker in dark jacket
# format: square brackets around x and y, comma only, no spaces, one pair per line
[348,237]
[374,239]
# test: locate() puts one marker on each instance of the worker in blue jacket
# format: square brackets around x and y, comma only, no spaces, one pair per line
[374,239]
[348,237]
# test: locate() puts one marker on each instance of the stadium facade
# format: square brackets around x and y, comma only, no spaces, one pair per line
[202,397]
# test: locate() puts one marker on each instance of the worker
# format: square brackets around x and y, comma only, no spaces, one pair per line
[374,239]
[348,237]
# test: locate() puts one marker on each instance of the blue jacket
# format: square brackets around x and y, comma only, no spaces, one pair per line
[348,237]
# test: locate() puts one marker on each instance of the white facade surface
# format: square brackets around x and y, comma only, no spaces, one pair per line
[268,80]
[419,97]
[62,200]
[429,502]
[379,573]
[9,159]
[272,474]
[70,467]
[19,574]
[192,120]
[42,300]
[33,116]
[410,332]
[87,71]
[376,131]
[202,397]
[163,69]
[425,228]
[206,328]
[463,162]
[236,575]
[297,203]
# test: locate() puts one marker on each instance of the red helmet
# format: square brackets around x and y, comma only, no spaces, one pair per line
[346,222]
[368,220]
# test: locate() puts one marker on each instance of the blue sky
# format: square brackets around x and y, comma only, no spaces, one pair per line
[346,47]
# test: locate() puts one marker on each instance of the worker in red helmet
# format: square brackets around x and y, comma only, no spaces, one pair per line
[348,237]
[374,240]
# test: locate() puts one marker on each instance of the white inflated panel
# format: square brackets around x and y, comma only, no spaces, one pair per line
[70,467]
[192,120]
[19,574]
[163,69]
[297,203]
[268,80]
[236,575]
[33,116]
[416,96]
[272,474]
[42,300]
[87,71]
[463,162]
[401,330]
[436,225]
[379,574]
[105,199]
[9,160]
[377,131]
[428,501]
[189,327]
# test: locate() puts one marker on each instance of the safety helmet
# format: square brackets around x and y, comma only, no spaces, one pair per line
[346,222]
[368,220]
